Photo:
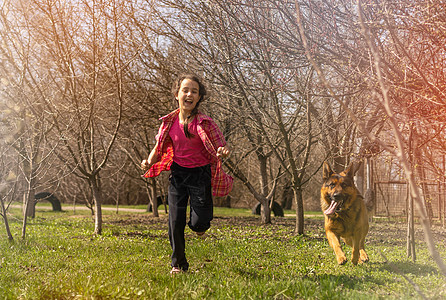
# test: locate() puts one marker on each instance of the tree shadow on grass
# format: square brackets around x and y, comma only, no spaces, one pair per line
[351,282]
[139,234]
[334,286]
[407,267]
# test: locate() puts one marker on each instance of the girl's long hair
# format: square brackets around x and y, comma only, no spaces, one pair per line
[201,91]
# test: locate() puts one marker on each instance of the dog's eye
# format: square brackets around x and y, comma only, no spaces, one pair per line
[344,185]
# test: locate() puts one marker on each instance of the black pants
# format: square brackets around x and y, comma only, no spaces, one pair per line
[185,184]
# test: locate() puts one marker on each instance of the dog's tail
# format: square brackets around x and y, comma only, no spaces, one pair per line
[369,200]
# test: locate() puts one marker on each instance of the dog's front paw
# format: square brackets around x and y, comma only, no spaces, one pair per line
[341,259]
[363,256]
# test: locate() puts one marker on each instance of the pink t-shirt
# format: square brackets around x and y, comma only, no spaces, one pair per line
[188,153]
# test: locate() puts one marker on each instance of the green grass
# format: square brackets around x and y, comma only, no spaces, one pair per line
[240,259]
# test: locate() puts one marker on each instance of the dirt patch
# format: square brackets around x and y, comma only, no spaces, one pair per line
[381,231]
[135,219]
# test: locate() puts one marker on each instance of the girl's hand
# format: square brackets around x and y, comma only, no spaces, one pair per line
[223,151]
[145,165]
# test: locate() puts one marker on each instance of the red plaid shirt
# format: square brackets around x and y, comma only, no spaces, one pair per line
[212,139]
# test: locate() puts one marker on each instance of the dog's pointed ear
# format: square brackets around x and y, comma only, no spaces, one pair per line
[326,171]
[352,169]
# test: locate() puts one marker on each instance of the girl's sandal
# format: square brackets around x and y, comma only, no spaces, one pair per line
[175,270]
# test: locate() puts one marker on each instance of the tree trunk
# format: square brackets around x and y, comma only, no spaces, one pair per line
[117,202]
[410,230]
[26,204]
[298,201]
[410,205]
[5,219]
[29,205]
[97,197]
[287,196]
[421,172]
[265,211]
[443,219]
[360,179]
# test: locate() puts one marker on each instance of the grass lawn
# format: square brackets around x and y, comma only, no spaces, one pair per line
[240,259]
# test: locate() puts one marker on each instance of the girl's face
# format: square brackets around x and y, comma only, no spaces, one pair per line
[188,95]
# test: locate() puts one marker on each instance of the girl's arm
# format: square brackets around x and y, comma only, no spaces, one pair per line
[152,159]
[216,137]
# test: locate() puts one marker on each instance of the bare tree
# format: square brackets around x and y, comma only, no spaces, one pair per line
[26,91]
[385,100]
[87,65]
[383,96]
[262,40]
[248,73]
[7,189]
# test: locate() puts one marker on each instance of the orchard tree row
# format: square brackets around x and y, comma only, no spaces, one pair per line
[293,83]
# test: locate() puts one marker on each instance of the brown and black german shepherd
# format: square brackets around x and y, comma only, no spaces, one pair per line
[346,214]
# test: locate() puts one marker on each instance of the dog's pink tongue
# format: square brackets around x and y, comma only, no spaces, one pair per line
[331,209]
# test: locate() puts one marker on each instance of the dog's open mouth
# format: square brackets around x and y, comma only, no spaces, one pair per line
[334,207]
